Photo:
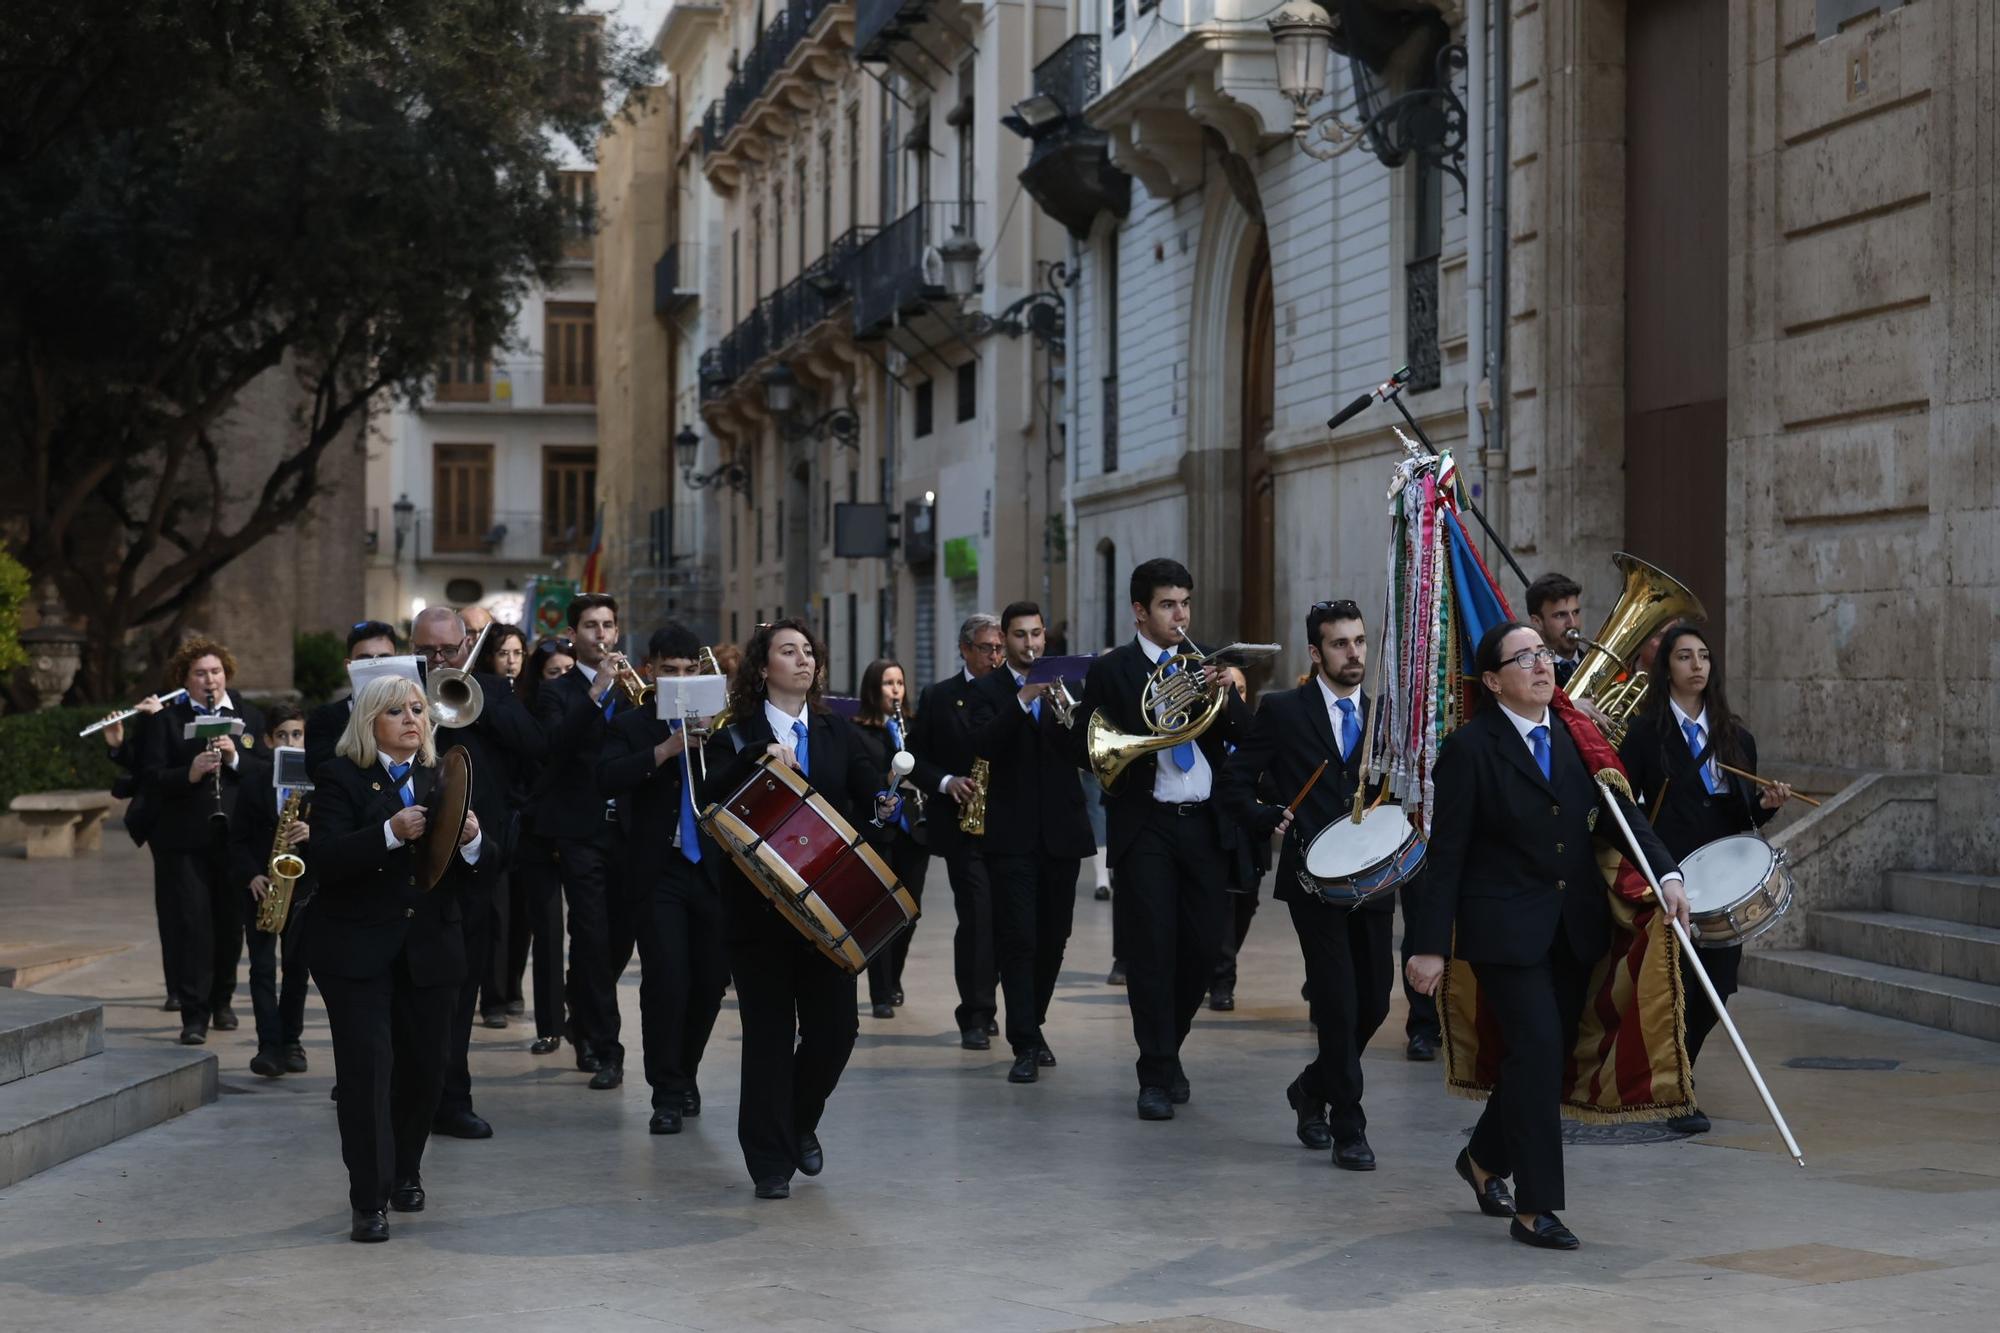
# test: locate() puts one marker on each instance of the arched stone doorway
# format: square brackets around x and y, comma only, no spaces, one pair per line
[1256,417]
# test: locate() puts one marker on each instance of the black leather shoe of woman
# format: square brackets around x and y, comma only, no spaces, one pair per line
[1494,1200]
[369,1227]
[1547,1233]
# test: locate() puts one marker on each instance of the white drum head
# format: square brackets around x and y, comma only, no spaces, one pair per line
[1344,848]
[1721,873]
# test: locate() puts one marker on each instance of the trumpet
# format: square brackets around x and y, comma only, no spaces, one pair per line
[125,715]
[631,686]
[287,867]
[455,697]
[1060,699]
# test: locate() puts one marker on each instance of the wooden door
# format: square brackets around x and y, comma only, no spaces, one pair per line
[1259,407]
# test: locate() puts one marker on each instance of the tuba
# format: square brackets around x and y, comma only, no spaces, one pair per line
[287,867]
[454,696]
[1651,600]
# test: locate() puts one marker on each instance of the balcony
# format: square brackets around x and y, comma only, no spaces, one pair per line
[492,538]
[881,25]
[673,289]
[1069,171]
[785,318]
[799,42]
[716,371]
[894,272]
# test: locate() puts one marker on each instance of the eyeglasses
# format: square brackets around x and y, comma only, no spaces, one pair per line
[990,649]
[437,650]
[1528,657]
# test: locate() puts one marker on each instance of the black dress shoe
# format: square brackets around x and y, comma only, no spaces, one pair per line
[543,1045]
[1548,1233]
[1493,1198]
[812,1160]
[974,1039]
[992,1027]
[1045,1057]
[267,1064]
[408,1196]
[1179,1091]
[885,1010]
[223,1019]
[586,1063]
[1154,1104]
[607,1077]
[515,1008]
[493,1018]
[774,1187]
[1024,1068]
[369,1227]
[194,1034]
[461,1124]
[1421,1046]
[897,998]
[1312,1128]
[170,1005]
[691,1101]
[1694,1122]
[1102,893]
[293,1058]
[666,1120]
[1116,976]
[1222,1000]
[1354,1154]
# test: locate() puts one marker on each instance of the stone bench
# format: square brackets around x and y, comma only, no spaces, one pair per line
[62,823]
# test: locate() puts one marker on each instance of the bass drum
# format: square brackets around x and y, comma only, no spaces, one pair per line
[1737,888]
[1349,863]
[799,853]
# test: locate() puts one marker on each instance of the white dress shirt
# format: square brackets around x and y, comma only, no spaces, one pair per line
[1170,785]
[470,851]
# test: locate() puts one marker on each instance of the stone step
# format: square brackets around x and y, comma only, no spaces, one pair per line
[1951,1003]
[30,965]
[67,1111]
[1921,943]
[42,1032]
[1972,900]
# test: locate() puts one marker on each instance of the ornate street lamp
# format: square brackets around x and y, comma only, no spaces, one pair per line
[1304,37]
[687,446]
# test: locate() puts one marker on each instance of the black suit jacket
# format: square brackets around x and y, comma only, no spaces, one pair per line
[1512,856]
[181,808]
[1113,688]
[838,763]
[941,739]
[324,726]
[1034,799]
[1689,817]
[370,905]
[567,801]
[500,744]
[648,795]
[1290,736]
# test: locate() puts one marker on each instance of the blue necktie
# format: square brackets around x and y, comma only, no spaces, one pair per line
[1709,781]
[799,748]
[400,775]
[1350,728]
[610,702]
[902,809]
[690,831]
[1184,752]
[1035,704]
[1540,736]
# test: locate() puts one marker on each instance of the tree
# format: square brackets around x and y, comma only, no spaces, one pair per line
[196,195]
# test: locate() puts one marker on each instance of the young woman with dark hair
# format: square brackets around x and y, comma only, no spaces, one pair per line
[884,722]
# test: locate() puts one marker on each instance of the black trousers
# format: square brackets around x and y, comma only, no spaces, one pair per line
[1536,1008]
[972,959]
[912,863]
[598,915]
[280,1009]
[1721,965]
[1349,968]
[207,930]
[683,973]
[797,1011]
[537,871]
[1034,902]
[389,1037]
[1168,907]
[457,1089]
[1238,910]
[496,985]
[1422,1019]
[164,915]
[513,950]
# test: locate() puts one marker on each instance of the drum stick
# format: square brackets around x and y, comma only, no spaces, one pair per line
[1762,782]
[1306,790]
[1701,974]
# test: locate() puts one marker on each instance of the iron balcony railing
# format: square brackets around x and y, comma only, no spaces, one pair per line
[773,48]
[879,24]
[1072,74]
[716,370]
[889,270]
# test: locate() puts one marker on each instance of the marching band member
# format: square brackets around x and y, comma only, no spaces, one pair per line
[387,955]
[1555,609]
[575,711]
[538,866]
[1671,750]
[1165,835]
[796,1006]
[672,869]
[505,653]
[1512,887]
[1349,968]
[194,786]
[885,724]
[366,641]
[279,1008]
[1037,835]
[941,735]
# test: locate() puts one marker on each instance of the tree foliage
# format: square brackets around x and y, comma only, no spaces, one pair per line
[198,193]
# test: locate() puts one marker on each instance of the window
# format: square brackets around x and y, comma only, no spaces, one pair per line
[853,166]
[569,497]
[1117,17]
[886,195]
[569,352]
[735,278]
[579,78]
[777,235]
[968,391]
[1108,320]
[464,373]
[801,198]
[963,121]
[1107,591]
[756,254]
[854,664]
[919,145]
[462,493]
[1420,284]
[779,518]
[923,409]
[579,196]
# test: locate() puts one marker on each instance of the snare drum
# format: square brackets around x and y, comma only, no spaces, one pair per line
[1349,863]
[799,853]
[1737,888]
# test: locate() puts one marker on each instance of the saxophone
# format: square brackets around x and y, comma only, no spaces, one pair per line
[972,815]
[285,870]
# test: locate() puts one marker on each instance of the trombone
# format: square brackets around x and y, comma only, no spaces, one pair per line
[454,695]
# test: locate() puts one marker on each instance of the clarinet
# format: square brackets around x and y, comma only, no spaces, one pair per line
[218,816]
[915,799]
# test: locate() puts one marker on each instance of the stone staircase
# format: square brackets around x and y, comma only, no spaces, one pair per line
[62,1093]
[1930,954]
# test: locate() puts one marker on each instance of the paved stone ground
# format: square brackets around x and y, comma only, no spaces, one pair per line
[954,1201]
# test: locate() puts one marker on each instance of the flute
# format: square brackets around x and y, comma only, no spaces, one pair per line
[127,715]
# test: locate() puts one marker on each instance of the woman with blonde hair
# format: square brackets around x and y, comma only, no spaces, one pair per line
[387,954]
